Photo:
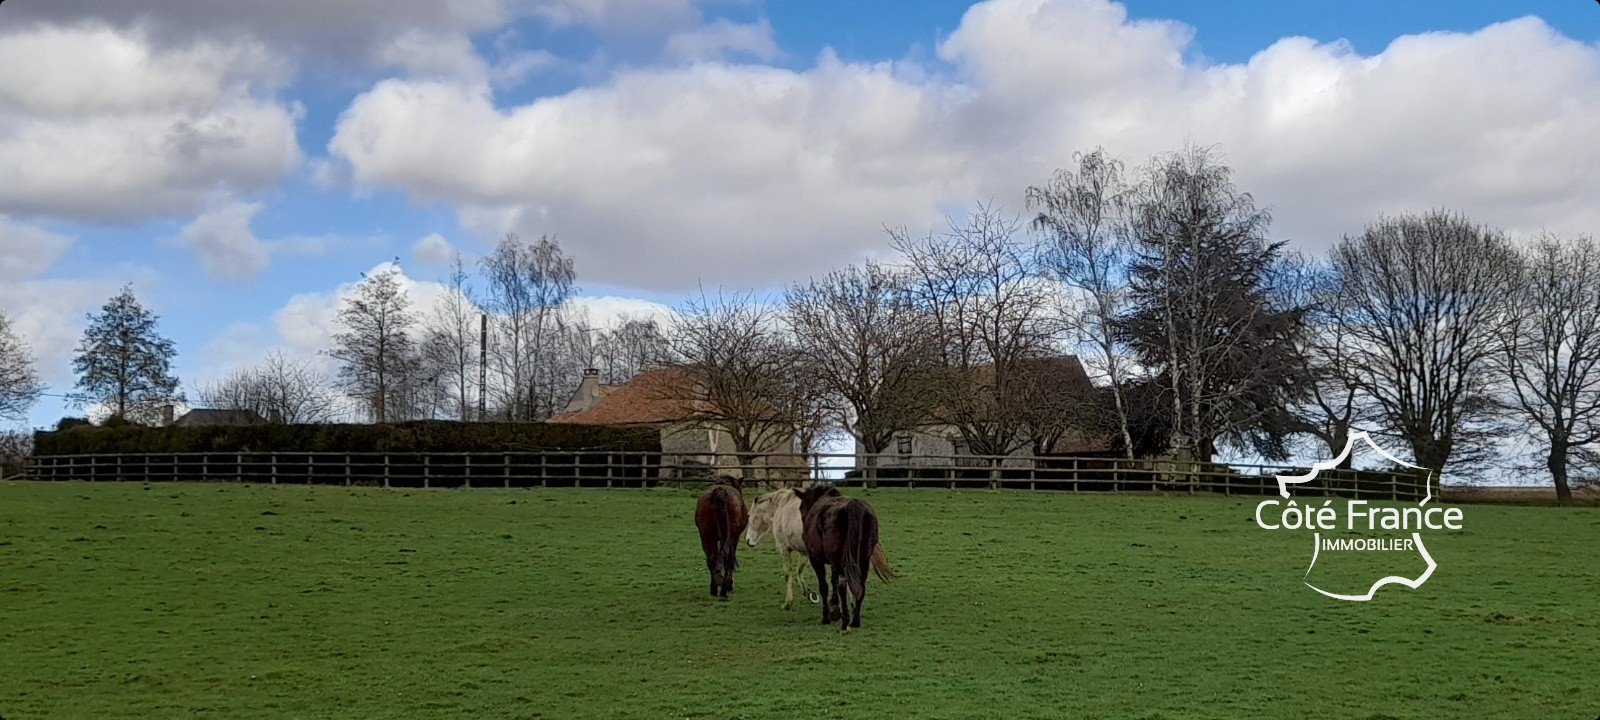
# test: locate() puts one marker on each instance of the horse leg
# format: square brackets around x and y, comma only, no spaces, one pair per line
[859,589]
[841,589]
[712,565]
[816,565]
[788,578]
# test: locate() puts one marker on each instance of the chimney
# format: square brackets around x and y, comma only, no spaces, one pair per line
[588,391]
[166,415]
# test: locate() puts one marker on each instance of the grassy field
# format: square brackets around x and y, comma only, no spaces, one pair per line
[236,601]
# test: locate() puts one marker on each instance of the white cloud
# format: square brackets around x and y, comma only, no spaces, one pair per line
[337,29]
[26,251]
[307,323]
[616,15]
[430,55]
[609,311]
[752,176]
[723,38]
[108,127]
[46,313]
[228,249]
[433,249]
[238,346]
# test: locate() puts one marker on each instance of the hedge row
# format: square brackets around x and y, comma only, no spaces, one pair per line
[421,436]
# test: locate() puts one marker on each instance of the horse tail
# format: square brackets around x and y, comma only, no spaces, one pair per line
[856,551]
[723,525]
[880,564]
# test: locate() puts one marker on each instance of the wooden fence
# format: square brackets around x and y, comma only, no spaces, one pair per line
[639,469]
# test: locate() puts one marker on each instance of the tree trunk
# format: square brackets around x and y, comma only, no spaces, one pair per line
[1431,454]
[871,447]
[1338,438]
[1557,462]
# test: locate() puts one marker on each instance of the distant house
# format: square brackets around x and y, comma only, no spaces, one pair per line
[1060,384]
[207,417]
[668,399]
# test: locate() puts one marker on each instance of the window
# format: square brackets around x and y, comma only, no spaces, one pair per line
[903,444]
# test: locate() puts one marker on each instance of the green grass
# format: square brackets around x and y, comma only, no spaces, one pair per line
[236,601]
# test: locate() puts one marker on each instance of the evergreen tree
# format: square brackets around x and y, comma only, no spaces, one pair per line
[122,362]
[1204,313]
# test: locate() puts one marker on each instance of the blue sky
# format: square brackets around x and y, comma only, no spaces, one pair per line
[239,163]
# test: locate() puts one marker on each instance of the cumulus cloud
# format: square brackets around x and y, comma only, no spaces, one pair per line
[723,38]
[433,249]
[26,250]
[616,15]
[754,175]
[332,28]
[228,249]
[108,127]
[306,324]
[46,312]
[609,312]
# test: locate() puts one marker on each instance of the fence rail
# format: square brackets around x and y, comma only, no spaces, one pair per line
[639,469]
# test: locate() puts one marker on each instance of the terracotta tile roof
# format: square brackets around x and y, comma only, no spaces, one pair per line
[654,396]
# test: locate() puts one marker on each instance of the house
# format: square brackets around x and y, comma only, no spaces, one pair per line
[207,417]
[668,399]
[1060,393]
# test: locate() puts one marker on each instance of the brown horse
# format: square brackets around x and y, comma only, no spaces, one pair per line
[841,532]
[721,517]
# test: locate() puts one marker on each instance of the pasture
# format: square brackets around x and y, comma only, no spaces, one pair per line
[241,601]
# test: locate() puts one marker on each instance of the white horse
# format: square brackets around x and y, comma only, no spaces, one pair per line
[779,513]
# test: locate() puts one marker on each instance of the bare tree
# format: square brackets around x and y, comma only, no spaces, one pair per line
[529,285]
[377,356]
[1551,350]
[280,387]
[633,347]
[1084,215]
[987,314]
[1421,301]
[1203,313]
[450,343]
[19,383]
[865,347]
[1331,406]
[740,371]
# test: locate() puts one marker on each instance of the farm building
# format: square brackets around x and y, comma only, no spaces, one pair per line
[208,417]
[1060,393]
[668,399]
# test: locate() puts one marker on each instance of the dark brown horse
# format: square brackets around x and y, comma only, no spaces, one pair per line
[720,515]
[841,532]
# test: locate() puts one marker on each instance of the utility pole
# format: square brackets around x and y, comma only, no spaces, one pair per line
[483,362]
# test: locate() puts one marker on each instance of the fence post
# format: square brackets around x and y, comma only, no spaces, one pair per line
[610,465]
[347,469]
[1033,474]
[425,466]
[505,464]
[272,466]
[544,477]
[386,469]
[1394,486]
[466,471]
[119,468]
